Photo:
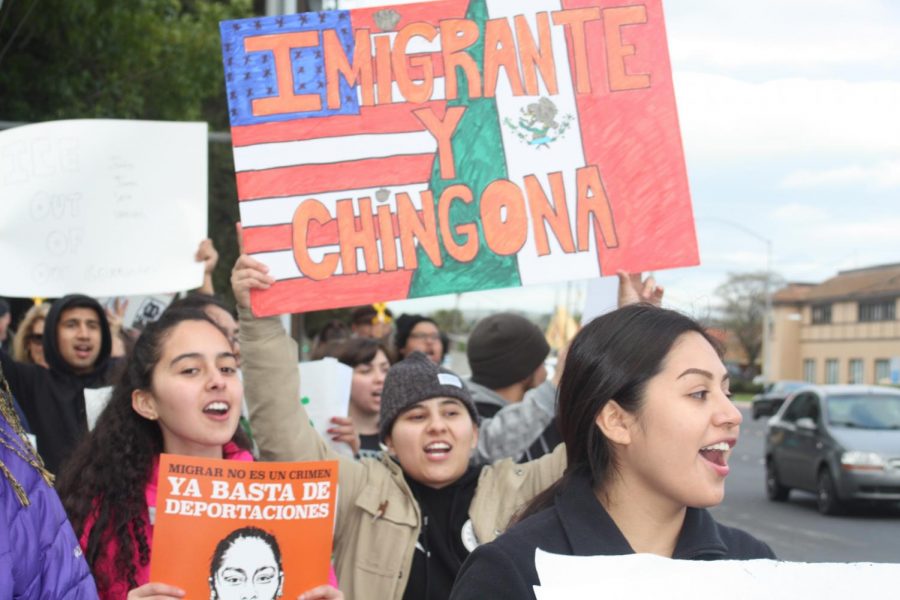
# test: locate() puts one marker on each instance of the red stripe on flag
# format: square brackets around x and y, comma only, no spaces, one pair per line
[424,12]
[385,118]
[274,238]
[315,179]
[302,295]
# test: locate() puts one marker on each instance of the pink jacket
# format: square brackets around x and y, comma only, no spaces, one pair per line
[117,587]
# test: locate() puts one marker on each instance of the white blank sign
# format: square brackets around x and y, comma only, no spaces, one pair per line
[101,207]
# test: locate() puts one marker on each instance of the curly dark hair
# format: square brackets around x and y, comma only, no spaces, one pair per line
[106,477]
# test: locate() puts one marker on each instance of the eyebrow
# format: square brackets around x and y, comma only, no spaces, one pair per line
[706,374]
[198,355]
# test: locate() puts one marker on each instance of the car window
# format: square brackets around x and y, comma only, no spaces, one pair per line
[786,387]
[871,411]
[804,405]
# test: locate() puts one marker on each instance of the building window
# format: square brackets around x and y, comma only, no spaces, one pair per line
[855,373]
[809,370]
[831,370]
[882,370]
[877,310]
[821,314]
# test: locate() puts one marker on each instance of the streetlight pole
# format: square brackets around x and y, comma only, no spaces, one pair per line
[767,290]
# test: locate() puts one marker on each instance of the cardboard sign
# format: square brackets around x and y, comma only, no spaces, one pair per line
[101,207]
[650,576]
[457,145]
[225,527]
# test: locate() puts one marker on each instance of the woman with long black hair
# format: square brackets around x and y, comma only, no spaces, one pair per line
[648,423]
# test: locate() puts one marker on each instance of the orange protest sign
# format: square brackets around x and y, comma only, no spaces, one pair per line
[224,529]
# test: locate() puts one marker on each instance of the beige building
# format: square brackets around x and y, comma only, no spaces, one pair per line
[844,330]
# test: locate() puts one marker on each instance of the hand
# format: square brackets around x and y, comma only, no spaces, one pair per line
[634,289]
[207,254]
[249,274]
[161,591]
[116,315]
[323,592]
[344,431]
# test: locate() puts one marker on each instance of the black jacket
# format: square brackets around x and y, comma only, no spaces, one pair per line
[578,525]
[53,399]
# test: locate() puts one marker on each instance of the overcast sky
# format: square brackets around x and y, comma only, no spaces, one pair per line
[790,117]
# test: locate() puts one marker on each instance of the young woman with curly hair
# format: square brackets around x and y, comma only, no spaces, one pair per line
[179,394]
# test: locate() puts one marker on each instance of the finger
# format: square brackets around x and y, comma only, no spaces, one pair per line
[323,592]
[253,279]
[341,420]
[245,261]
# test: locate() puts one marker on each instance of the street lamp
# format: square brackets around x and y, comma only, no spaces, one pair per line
[767,314]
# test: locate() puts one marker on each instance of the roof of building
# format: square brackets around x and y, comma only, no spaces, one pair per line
[792,293]
[868,282]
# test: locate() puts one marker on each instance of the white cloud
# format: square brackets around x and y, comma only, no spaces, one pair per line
[883,175]
[797,212]
[782,33]
[723,118]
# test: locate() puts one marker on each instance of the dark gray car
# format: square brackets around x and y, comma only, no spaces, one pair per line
[840,442]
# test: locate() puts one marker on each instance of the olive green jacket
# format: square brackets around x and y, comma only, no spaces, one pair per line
[378,519]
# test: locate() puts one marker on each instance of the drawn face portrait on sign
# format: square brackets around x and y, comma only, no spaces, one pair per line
[246,564]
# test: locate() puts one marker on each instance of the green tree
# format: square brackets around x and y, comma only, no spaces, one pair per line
[142,59]
[742,309]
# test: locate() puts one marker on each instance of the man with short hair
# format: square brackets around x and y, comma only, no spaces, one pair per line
[77,347]
[506,355]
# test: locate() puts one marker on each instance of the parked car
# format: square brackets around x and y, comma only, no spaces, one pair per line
[840,442]
[767,403]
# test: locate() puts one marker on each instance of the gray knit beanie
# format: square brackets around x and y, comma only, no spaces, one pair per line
[504,349]
[413,380]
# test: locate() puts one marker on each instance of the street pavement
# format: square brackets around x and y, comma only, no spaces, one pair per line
[794,529]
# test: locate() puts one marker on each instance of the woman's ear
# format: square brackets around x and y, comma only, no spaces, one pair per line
[143,404]
[474,436]
[389,444]
[615,422]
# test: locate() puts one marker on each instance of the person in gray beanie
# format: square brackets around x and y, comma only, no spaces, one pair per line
[506,354]
[416,379]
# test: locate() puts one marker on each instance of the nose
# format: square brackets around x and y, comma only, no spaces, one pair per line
[727,413]
[216,380]
[437,424]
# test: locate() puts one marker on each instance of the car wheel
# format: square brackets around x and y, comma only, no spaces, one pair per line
[755,413]
[774,490]
[826,495]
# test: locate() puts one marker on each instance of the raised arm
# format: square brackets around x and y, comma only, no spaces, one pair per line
[516,426]
[271,378]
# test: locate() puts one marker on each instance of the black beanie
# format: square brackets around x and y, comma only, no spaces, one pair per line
[413,380]
[504,349]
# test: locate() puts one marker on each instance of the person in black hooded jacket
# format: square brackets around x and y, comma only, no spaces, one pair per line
[77,347]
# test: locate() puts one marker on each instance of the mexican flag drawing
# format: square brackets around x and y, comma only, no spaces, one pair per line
[457,145]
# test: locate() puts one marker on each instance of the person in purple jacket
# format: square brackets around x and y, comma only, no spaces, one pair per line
[39,554]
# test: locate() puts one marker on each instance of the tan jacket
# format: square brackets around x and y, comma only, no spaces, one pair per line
[378,518]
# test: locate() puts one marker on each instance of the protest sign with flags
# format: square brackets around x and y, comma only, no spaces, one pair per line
[455,145]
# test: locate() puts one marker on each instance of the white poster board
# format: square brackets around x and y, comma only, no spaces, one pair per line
[141,310]
[602,297]
[102,207]
[325,392]
[649,576]
[95,400]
